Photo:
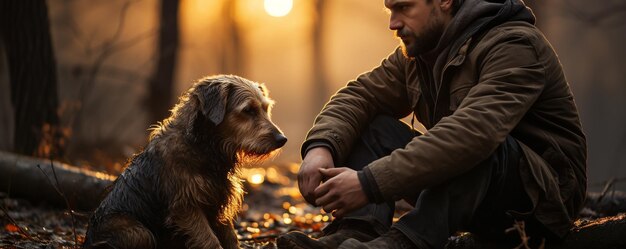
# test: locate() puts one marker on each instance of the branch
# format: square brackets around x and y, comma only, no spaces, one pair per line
[107,49]
[67,202]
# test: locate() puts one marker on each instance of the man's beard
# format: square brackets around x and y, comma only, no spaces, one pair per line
[423,43]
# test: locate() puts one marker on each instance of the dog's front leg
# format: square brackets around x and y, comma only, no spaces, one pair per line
[192,223]
[227,236]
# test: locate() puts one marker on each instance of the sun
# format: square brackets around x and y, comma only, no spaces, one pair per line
[278,8]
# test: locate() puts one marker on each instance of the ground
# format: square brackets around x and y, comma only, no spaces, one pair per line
[272,206]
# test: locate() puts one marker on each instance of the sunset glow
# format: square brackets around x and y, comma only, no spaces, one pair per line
[278,8]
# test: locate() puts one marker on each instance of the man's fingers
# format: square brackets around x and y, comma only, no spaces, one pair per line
[328,208]
[332,171]
[323,188]
[324,199]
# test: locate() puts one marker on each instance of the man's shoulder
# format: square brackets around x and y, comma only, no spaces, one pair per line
[514,29]
[520,31]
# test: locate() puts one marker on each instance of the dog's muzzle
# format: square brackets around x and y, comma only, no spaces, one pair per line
[280,140]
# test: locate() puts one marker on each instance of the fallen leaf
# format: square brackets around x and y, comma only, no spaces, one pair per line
[11,228]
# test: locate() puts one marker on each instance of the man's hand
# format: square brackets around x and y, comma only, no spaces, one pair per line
[341,192]
[309,175]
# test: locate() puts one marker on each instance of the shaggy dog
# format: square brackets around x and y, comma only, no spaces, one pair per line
[183,189]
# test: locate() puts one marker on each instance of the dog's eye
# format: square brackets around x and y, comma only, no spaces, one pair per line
[250,110]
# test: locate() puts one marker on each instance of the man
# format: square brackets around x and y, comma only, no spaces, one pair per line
[503,143]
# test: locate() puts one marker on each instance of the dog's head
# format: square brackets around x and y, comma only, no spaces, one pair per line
[239,110]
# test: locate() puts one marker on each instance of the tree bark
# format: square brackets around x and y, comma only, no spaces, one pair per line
[160,98]
[21,176]
[25,31]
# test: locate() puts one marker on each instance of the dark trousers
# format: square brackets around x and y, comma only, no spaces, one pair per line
[480,200]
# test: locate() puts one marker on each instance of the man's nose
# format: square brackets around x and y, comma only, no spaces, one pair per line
[394,23]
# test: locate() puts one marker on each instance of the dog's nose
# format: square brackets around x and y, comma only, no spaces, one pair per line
[280,139]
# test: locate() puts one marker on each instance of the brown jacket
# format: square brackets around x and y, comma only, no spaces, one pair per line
[507,80]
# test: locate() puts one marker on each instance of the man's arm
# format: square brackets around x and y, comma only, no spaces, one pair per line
[328,143]
[380,91]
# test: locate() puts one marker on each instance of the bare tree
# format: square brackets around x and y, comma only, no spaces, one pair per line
[25,32]
[233,52]
[97,54]
[319,73]
[161,83]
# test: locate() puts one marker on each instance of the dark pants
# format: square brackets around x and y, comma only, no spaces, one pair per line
[478,200]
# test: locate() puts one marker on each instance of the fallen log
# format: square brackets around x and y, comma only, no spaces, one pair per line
[34,179]
[606,233]
[607,203]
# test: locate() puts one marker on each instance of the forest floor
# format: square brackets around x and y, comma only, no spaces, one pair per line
[272,206]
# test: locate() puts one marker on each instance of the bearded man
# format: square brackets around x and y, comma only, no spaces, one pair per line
[503,143]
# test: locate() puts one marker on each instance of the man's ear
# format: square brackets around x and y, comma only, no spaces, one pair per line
[213,98]
[446,6]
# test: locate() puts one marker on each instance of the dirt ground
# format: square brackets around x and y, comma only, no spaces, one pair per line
[270,208]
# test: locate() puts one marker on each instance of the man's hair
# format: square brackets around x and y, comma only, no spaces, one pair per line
[456,5]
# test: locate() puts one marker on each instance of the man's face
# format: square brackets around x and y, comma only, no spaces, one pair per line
[417,23]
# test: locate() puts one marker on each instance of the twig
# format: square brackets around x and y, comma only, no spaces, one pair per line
[520,228]
[607,186]
[67,202]
[6,214]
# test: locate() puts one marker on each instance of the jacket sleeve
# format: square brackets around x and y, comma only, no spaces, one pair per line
[510,80]
[379,91]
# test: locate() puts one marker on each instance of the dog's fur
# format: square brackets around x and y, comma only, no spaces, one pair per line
[183,190]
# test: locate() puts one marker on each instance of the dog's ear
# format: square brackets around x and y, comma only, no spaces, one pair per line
[213,98]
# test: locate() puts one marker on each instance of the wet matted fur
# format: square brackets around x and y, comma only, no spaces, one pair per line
[183,189]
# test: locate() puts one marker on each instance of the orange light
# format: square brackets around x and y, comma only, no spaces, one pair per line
[278,8]
[256,179]
[287,221]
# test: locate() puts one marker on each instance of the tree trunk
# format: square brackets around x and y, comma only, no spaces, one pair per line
[320,87]
[21,177]
[233,51]
[160,98]
[25,31]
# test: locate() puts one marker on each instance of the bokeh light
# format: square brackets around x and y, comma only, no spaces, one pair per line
[278,8]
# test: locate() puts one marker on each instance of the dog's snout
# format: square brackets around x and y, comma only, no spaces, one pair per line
[280,139]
